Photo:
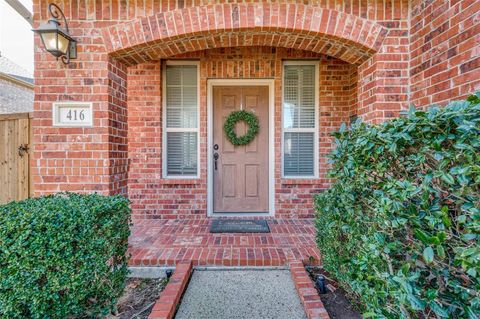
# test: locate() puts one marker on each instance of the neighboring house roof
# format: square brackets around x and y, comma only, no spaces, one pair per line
[16,88]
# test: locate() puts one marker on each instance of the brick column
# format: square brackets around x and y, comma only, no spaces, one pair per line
[383,80]
[117,127]
[86,159]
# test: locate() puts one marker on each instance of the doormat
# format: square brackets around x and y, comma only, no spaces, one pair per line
[239,226]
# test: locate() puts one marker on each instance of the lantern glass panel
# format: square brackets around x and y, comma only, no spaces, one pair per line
[49,40]
[55,43]
[62,44]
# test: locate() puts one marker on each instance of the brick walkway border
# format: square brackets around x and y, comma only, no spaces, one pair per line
[169,299]
[307,292]
[167,303]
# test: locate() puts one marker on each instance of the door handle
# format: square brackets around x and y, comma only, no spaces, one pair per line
[215,158]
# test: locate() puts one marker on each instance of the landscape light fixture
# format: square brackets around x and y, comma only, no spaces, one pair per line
[56,37]
[320,283]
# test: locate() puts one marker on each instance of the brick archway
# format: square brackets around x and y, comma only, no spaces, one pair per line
[297,26]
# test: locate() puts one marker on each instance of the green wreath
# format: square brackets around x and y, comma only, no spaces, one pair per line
[247,117]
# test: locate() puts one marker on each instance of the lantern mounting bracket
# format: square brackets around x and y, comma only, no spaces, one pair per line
[56,13]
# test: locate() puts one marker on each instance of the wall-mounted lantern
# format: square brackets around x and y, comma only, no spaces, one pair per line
[56,37]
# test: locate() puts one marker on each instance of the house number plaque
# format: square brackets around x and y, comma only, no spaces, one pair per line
[72,114]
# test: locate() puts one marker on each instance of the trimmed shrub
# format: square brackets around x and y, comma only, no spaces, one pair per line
[399,227]
[63,256]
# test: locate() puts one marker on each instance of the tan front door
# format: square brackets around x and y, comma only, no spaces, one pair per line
[240,172]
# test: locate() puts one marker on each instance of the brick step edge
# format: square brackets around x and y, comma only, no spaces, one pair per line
[169,299]
[307,292]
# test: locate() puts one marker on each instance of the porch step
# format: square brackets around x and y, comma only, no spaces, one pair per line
[168,242]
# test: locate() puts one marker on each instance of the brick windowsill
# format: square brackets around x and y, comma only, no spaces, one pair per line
[174,181]
[300,181]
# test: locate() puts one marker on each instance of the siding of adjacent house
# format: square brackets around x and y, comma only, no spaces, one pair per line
[16,88]
[14,97]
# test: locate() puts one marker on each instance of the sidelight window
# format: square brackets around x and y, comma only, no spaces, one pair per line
[300,118]
[181,120]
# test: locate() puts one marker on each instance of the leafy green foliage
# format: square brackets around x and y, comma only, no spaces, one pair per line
[253,127]
[63,256]
[399,227]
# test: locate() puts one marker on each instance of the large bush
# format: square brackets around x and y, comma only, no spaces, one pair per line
[62,256]
[399,227]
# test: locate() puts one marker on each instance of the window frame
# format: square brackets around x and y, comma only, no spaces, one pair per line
[315,129]
[165,129]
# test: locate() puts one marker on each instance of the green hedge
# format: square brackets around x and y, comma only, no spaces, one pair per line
[63,256]
[399,227]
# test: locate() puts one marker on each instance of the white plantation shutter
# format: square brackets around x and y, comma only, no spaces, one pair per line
[181,153]
[298,154]
[299,120]
[181,118]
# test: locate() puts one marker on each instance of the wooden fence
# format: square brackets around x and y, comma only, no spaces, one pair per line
[15,137]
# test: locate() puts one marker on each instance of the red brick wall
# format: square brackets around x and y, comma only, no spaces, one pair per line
[445,50]
[154,197]
[94,159]
[118,129]
[399,52]
[383,79]
[118,10]
[70,159]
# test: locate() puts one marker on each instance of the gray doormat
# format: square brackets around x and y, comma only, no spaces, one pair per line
[239,226]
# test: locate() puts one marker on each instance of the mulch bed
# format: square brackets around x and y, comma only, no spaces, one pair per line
[138,298]
[335,300]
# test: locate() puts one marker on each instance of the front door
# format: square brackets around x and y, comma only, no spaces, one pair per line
[240,174]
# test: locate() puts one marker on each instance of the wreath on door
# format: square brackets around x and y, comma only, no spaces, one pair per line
[253,127]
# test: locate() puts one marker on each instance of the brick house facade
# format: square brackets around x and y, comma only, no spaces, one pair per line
[373,59]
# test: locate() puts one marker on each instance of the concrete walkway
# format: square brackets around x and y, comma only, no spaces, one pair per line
[241,294]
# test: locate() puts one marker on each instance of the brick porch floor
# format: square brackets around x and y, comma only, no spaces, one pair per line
[166,242]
